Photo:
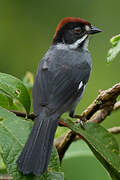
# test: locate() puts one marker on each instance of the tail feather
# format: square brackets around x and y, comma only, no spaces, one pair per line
[36,153]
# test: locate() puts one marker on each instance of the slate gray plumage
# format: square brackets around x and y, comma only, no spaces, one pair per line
[55,91]
[59,84]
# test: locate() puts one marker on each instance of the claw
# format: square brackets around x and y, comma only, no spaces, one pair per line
[82,120]
[82,123]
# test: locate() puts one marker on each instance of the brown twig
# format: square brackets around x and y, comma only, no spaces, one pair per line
[23,114]
[106,98]
[116,106]
[114,130]
[63,143]
[6,177]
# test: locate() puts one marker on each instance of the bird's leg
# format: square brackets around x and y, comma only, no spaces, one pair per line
[82,119]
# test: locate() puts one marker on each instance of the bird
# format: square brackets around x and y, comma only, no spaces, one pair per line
[59,84]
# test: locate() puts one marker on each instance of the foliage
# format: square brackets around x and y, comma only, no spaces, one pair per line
[113,52]
[102,144]
[14,89]
[13,135]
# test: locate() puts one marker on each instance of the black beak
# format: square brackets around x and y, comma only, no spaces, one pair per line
[93,30]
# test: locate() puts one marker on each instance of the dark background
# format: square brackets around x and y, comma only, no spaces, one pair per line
[27,28]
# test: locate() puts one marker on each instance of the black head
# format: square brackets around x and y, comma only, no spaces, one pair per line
[70,30]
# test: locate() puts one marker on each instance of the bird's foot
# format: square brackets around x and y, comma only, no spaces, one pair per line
[81,120]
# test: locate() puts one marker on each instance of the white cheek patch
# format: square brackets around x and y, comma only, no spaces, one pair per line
[78,42]
[80,85]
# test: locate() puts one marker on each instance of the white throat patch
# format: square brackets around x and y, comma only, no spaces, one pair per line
[75,44]
[85,46]
[78,42]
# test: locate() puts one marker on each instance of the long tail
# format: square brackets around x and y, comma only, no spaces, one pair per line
[36,153]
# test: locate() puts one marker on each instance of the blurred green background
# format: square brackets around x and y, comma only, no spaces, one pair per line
[26,31]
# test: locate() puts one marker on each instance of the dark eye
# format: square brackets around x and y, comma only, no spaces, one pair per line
[77,30]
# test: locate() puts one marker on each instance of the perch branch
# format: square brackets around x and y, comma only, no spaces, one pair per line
[101,107]
[106,98]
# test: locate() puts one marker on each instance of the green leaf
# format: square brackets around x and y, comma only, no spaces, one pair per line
[15,89]
[6,101]
[113,52]
[102,144]
[114,40]
[13,135]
